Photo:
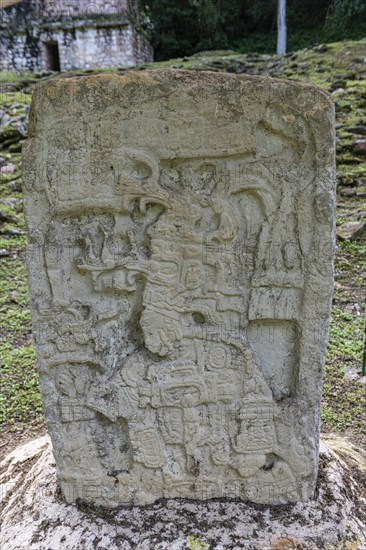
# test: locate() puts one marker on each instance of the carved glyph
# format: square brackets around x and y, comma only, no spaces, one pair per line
[180,267]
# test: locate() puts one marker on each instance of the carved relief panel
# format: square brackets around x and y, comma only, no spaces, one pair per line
[180,271]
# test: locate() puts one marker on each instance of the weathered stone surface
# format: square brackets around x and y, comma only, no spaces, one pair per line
[351,230]
[34,517]
[181,233]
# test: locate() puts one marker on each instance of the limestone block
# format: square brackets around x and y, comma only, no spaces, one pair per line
[181,236]
[33,517]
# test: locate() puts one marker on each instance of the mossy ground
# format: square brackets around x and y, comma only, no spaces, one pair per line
[339,68]
[20,403]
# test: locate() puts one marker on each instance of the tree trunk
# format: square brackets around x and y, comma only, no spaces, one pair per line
[281,27]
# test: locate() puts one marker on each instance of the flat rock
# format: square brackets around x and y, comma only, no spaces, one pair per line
[35,517]
[351,230]
[360,147]
[348,192]
[8,168]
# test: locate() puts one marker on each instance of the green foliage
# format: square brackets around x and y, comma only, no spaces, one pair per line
[195,544]
[181,27]
[344,16]
[174,27]
[218,21]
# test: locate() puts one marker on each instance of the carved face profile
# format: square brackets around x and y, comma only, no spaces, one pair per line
[161,332]
[218,357]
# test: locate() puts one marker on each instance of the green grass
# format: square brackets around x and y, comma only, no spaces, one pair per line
[20,400]
[20,403]
[7,76]
[345,338]
[194,543]
[344,400]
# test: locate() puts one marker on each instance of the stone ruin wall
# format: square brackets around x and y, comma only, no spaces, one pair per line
[55,9]
[27,28]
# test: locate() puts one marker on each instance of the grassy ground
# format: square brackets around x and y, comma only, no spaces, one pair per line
[340,69]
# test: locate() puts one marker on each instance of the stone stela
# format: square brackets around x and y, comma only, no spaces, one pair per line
[181,236]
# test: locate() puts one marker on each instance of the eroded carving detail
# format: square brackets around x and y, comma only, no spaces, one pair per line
[171,335]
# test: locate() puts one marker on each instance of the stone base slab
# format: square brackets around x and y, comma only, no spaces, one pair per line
[35,517]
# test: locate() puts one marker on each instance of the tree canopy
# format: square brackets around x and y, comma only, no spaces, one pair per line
[183,27]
